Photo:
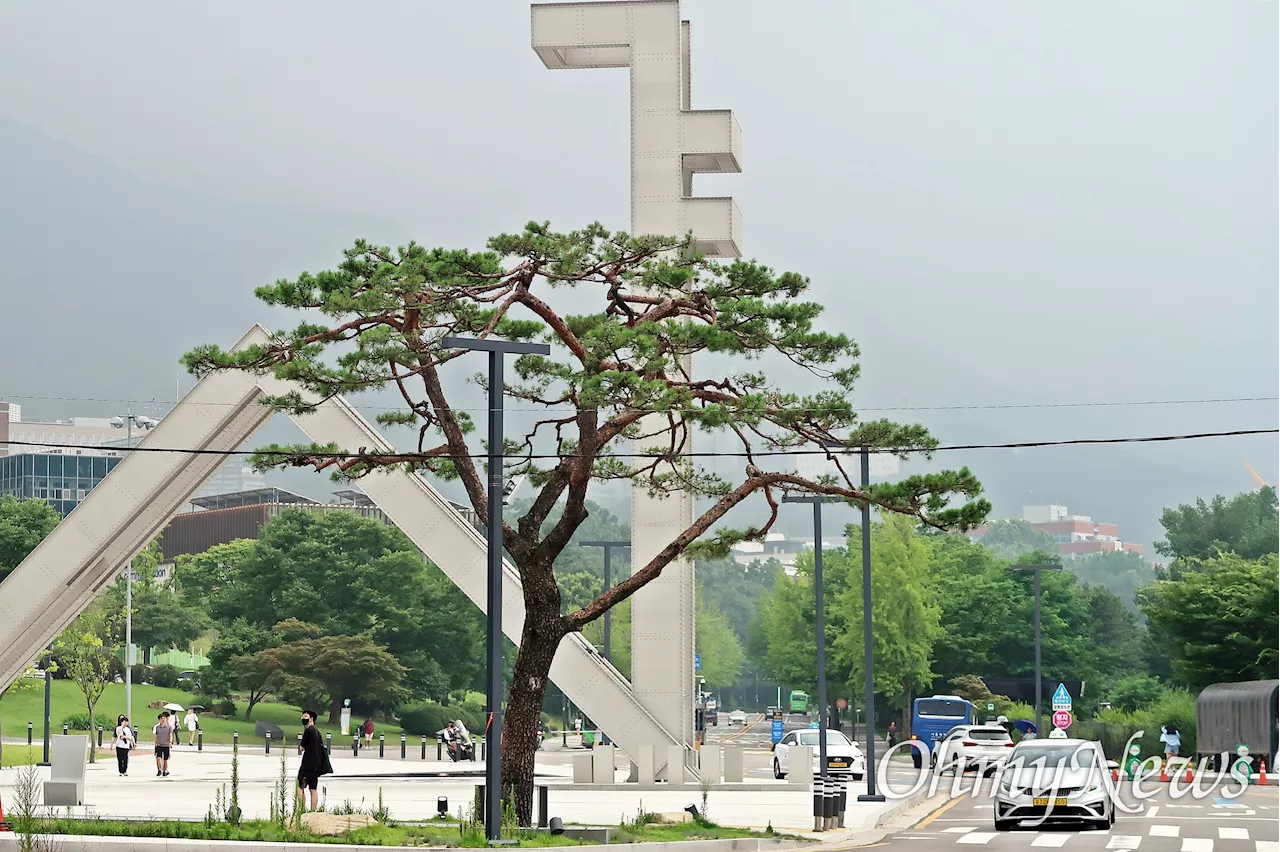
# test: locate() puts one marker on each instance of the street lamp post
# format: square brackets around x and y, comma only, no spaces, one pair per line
[127,421]
[1036,569]
[868,646]
[608,547]
[819,622]
[497,349]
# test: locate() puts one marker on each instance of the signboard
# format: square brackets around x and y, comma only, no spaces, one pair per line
[776,734]
[842,703]
[1057,734]
[1133,761]
[1241,767]
[991,707]
[1061,698]
[697,662]
[1062,719]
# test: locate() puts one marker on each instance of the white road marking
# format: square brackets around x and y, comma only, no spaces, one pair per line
[1151,811]
[1051,840]
[1124,841]
[1197,844]
[977,837]
[1226,832]
[1260,845]
[955,829]
[1164,831]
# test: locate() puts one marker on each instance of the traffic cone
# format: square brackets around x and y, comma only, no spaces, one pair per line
[1190,777]
[1164,772]
[1262,775]
[4,826]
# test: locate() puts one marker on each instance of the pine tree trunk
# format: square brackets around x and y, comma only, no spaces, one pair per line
[521,727]
[335,709]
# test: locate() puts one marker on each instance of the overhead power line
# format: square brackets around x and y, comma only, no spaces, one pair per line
[409,455]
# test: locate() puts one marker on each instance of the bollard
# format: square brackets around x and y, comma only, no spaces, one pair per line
[424,746]
[564,734]
[268,742]
[829,805]
[819,790]
[199,740]
[439,748]
[484,742]
[235,741]
[28,733]
[402,746]
[542,806]
[382,745]
[328,743]
[842,803]
[64,730]
[355,745]
[99,736]
[479,803]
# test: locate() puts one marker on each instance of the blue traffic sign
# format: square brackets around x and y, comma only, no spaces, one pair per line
[697,662]
[1061,698]
[777,731]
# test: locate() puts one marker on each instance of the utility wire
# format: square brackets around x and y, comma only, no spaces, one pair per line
[566,408]
[1016,445]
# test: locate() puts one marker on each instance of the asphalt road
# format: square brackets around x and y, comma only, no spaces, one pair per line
[1163,824]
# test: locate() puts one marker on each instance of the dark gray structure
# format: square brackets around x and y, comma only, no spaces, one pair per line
[1232,714]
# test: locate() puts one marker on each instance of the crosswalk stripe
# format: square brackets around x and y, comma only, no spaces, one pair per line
[977,837]
[1197,844]
[1124,841]
[955,829]
[1262,845]
[1051,840]
[1164,831]
[1227,832]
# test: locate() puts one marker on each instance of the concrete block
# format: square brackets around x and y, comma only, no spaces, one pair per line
[644,765]
[800,767]
[709,763]
[603,769]
[674,771]
[732,764]
[582,769]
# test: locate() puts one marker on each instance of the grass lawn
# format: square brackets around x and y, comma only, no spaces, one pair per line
[18,708]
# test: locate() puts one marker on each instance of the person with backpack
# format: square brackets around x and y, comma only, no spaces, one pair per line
[124,740]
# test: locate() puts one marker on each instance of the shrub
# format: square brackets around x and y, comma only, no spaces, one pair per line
[77,721]
[165,676]
[428,717]
[1136,692]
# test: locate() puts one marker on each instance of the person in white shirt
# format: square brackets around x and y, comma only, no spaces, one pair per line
[124,740]
[192,721]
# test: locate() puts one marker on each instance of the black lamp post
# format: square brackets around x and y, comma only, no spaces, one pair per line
[819,622]
[497,349]
[1036,569]
[608,547]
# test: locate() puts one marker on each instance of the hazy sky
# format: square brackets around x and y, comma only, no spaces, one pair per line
[1008,202]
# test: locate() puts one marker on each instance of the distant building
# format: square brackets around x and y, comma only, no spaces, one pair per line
[1076,535]
[61,478]
[778,547]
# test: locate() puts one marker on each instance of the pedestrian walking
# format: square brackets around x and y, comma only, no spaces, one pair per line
[123,740]
[1172,741]
[315,761]
[192,722]
[893,734]
[173,724]
[163,732]
[367,727]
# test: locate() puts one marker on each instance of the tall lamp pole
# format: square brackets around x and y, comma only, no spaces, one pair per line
[868,646]
[127,421]
[1036,569]
[819,623]
[608,547]
[497,349]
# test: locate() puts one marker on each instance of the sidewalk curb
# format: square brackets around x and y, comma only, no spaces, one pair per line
[913,809]
[90,843]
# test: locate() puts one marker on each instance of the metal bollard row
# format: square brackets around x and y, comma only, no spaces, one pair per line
[830,799]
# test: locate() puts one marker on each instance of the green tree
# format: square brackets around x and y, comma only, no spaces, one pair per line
[233,663]
[1135,692]
[620,401]
[347,574]
[162,617]
[1220,619]
[1247,525]
[1120,572]
[23,525]
[85,655]
[719,646]
[905,618]
[1010,539]
[309,665]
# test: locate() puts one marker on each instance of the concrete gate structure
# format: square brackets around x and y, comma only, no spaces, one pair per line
[670,143]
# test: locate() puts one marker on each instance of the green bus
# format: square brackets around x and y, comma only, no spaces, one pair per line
[799,701]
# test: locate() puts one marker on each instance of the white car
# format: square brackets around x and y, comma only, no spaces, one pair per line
[968,747]
[1056,781]
[737,717]
[843,755]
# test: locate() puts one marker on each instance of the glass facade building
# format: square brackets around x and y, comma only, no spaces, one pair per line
[60,480]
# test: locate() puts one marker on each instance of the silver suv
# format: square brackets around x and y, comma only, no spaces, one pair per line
[968,747]
[1055,781]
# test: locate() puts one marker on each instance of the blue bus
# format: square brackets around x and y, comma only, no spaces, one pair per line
[932,718]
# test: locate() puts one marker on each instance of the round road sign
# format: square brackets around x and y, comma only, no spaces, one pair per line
[842,703]
[1062,719]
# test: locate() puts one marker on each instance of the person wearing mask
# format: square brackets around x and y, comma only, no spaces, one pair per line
[192,723]
[163,732]
[313,760]
[124,740]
